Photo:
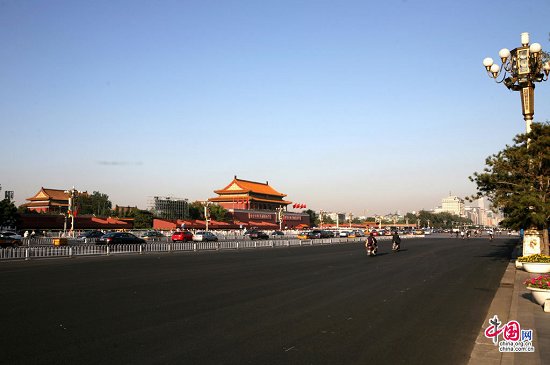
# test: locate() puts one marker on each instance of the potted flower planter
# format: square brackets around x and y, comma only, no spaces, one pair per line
[539,287]
[536,267]
[539,295]
[537,264]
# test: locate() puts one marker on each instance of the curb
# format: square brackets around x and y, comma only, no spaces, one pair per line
[485,352]
[510,296]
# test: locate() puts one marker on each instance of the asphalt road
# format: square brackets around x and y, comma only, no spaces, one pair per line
[299,305]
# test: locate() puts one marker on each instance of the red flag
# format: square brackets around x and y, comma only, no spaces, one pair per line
[305,206]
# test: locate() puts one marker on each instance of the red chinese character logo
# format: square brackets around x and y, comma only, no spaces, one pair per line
[512,331]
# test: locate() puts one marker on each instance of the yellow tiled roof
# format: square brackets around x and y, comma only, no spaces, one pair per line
[50,194]
[239,186]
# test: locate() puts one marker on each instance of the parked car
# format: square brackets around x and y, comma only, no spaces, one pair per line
[257,235]
[9,239]
[303,235]
[204,236]
[182,236]
[278,233]
[152,236]
[320,233]
[117,238]
[89,235]
[13,235]
[344,233]
[316,233]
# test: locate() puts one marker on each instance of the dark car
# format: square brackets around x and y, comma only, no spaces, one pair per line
[118,238]
[320,233]
[257,235]
[89,235]
[9,239]
[278,233]
[182,236]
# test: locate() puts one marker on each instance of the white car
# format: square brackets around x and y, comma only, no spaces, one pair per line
[12,235]
[344,233]
[204,236]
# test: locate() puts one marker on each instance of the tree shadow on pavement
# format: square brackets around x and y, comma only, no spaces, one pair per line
[501,252]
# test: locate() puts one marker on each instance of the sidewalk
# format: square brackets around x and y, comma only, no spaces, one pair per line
[513,302]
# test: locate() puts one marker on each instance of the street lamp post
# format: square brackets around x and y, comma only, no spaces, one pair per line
[73,193]
[523,66]
[280,216]
[379,220]
[520,69]
[206,215]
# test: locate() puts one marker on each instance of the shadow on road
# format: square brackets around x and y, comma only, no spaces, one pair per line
[501,252]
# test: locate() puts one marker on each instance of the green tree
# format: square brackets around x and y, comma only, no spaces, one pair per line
[517,181]
[96,203]
[219,213]
[313,217]
[9,217]
[143,219]
[196,210]
[436,220]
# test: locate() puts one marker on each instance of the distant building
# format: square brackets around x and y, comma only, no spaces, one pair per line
[452,204]
[481,214]
[48,201]
[249,195]
[255,204]
[169,207]
[337,217]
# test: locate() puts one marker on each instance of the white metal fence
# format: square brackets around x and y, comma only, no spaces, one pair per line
[78,248]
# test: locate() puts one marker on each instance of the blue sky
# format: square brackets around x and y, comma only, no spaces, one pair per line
[361,106]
